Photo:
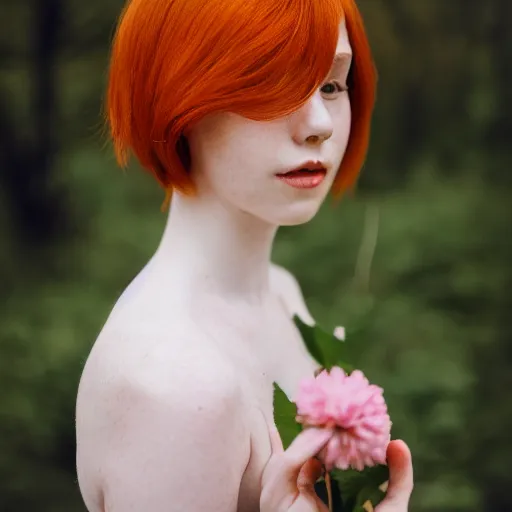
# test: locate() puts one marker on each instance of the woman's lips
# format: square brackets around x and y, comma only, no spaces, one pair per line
[303,178]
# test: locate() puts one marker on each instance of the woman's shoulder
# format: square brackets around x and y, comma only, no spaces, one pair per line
[159,351]
[151,344]
[137,370]
[163,401]
[182,372]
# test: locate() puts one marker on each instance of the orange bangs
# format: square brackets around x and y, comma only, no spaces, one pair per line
[175,61]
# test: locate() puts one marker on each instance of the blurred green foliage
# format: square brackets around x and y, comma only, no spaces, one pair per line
[417,261]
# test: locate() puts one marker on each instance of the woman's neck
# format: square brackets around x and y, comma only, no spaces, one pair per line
[217,247]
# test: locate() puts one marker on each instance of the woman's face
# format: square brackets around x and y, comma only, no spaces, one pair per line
[242,162]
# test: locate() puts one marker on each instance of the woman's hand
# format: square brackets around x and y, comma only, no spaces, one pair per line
[400,479]
[289,477]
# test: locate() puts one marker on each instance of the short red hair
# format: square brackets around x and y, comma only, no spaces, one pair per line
[175,61]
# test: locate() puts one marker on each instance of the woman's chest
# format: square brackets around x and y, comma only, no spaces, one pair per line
[263,344]
[264,350]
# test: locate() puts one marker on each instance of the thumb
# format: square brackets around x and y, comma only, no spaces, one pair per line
[400,477]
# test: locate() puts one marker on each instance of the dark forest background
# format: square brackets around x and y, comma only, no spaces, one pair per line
[417,262]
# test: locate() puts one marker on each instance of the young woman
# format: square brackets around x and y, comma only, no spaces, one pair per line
[247,112]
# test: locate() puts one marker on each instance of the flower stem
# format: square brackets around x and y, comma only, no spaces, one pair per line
[329,490]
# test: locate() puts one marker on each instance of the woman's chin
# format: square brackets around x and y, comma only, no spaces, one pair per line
[297,213]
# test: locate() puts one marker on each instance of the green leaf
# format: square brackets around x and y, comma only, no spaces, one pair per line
[369,493]
[284,417]
[323,346]
[359,486]
[332,349]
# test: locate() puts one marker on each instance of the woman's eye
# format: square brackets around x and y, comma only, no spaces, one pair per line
[332,88]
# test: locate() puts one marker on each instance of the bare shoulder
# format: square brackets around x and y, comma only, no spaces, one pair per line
[287,287]
[158,406]
[142,356]
[179,380]
[163,414]
[178,370]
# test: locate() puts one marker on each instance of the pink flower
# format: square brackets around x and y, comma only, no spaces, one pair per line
[357,411]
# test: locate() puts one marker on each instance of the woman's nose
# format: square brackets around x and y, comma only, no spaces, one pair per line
[312,123]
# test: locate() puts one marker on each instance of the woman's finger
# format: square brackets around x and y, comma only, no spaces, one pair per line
[306,445]
[310,472]
[283,468]
[400,478]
